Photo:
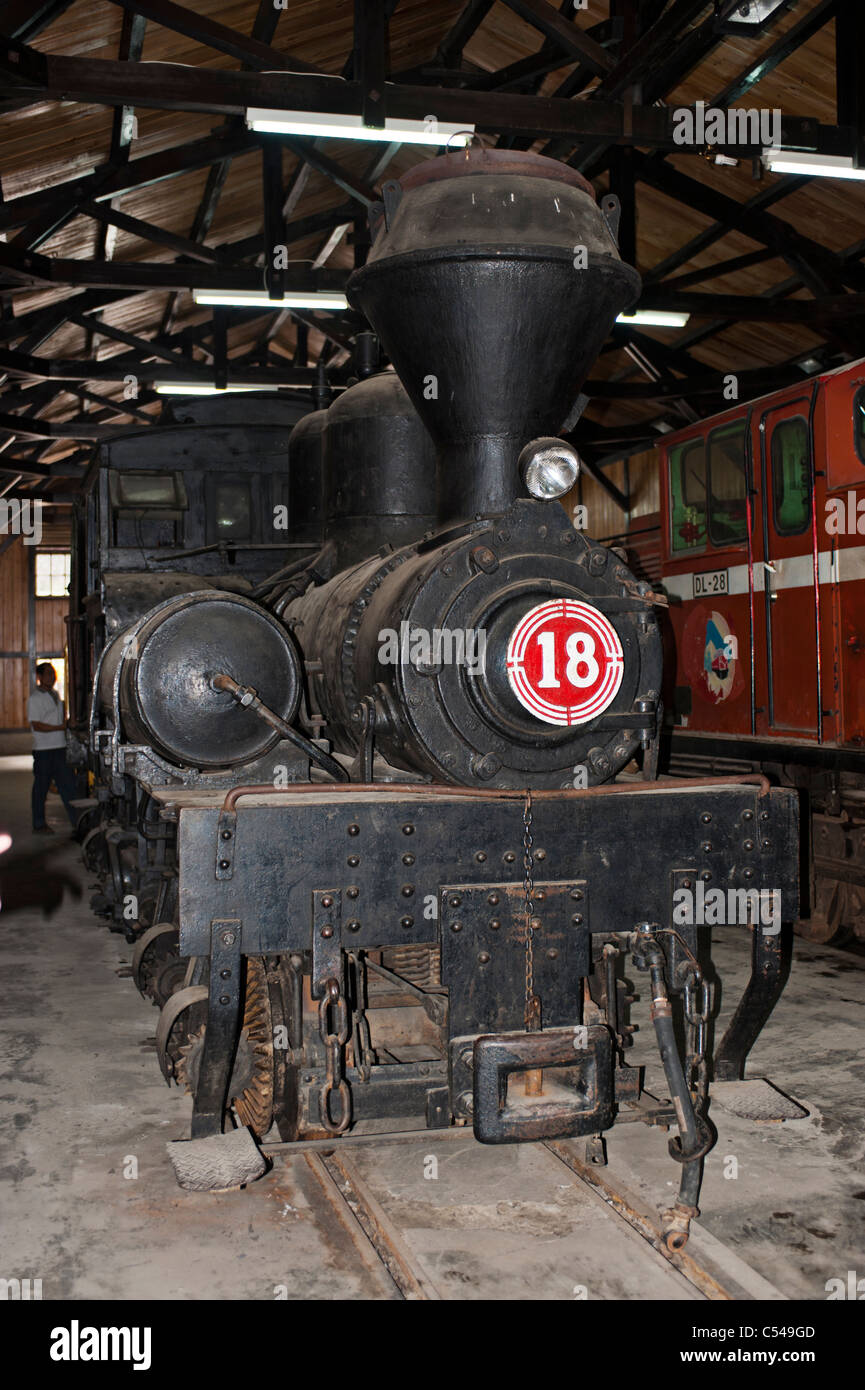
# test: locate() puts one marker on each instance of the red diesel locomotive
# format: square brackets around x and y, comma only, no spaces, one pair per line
[760,546]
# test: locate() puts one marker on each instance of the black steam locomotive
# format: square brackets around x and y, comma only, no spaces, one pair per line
[389,810]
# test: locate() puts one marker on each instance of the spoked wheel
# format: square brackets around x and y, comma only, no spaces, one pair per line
[158,968]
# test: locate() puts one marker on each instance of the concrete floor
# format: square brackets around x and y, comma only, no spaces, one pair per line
[88,1201]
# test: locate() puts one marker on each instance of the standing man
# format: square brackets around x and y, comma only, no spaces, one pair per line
[45,712]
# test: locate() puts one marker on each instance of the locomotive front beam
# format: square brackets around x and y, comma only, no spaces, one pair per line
[421,866]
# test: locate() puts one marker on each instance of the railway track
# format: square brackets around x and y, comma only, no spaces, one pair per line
[352,1179]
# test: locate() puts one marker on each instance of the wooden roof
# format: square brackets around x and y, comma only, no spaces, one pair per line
[801,239]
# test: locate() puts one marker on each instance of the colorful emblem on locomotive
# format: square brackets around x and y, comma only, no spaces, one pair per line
[565,662]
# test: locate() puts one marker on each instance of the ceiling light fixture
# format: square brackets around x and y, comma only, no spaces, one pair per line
[199,388]
[827,166]
[654,318]
[245,299]
[339,127]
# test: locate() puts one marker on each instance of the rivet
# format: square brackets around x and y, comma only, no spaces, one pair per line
[406,921]
[407,890]
[493,899]
[706,846]
[706,875]
[480,857]
[510,857]
[456,926]
[540,854]
[686,883]
[225,974]
[353,925]
[552,955]
[577,919]
[408,860]
[354,830]
[577,895]
[747,815]
[224,999]
[748,844]
[706,817]
[748,873]
[327,900]
[352,892]
[455,900]
[408,830]
[495,923]
[483,957]
[352,861]
[536,923]
[225,863]
[541,895]
[764,815]
[228,938]
[226,834]
[765,844]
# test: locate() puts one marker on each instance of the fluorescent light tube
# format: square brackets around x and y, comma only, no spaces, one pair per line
[322,123]
[198,388]
[827,166]
[655,318]
[242,299]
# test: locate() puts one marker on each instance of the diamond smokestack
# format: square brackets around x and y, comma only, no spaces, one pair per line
[493,281]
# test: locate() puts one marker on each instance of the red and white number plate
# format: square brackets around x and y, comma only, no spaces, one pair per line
[565,662]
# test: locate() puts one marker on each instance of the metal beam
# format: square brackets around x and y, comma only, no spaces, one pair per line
[572,39]
[172,87]
[107,182]
[214,35]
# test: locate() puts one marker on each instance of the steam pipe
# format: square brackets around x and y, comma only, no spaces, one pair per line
[247,697]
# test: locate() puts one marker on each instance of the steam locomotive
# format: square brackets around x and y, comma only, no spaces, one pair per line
[395,802]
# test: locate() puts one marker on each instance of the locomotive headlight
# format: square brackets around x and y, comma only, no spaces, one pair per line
[548,468]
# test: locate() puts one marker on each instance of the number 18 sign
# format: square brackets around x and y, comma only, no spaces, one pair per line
[565,662]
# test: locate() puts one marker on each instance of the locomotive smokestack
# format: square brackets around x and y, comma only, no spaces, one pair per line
[492,282]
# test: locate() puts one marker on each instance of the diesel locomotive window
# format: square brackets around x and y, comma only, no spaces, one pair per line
[791,476]
[688,495]
[859,423]
[229,509]
[147,508]
[727,484]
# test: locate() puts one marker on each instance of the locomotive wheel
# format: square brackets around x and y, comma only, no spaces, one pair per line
[183,1015]
[827,926]
[251,1086]
[94,852]
[158,945]
[169,979]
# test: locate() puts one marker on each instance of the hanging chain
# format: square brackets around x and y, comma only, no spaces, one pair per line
[696,1004]
[532,1018]
[333,1008]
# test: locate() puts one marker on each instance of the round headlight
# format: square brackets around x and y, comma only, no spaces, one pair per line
[549,468]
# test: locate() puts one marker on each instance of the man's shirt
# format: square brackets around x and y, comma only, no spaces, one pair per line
[45,708]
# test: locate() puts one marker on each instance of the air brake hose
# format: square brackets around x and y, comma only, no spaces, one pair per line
[693,1144]
[249,699]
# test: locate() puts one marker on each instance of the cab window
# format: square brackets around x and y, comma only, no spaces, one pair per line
[726,479]
[229,509]
[688,496]
[791,476]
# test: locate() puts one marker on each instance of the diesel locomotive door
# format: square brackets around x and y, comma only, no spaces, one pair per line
[784,580]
